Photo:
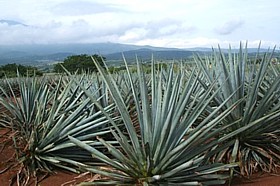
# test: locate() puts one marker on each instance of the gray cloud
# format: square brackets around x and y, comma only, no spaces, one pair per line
[162,27]
[229,27]
[157,29]
[11,22]
[76,8]
[79,30]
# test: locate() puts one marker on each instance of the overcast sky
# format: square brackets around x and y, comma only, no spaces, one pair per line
[165,23]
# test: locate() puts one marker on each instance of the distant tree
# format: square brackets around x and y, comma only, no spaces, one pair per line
[11,70]
[79,63]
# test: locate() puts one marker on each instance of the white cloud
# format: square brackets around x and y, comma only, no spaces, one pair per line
[134,34]
[177,23]
[182,43]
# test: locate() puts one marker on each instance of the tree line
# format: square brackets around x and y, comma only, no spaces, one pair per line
[79,63]
[74,64]
[12,70]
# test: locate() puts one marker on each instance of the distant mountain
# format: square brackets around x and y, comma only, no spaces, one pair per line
[48,53]
[11,22]
[204,49]
[94,48]
[23,58]
[14,54]
[54,52]
[145,54]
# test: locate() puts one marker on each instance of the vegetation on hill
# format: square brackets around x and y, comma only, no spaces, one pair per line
[12,70]
[79,63]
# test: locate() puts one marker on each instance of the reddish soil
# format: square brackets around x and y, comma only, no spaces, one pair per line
[9,169]
[258,180]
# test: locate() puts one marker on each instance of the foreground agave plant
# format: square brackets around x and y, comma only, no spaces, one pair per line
[254,140]
[42,116]
[167,149]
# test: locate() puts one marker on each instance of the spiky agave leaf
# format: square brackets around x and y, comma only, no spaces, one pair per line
[45,115]
[166,150]
[257,118]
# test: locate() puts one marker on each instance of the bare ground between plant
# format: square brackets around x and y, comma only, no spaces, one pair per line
[9,168]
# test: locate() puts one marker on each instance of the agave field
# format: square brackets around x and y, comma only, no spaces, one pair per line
[185,124]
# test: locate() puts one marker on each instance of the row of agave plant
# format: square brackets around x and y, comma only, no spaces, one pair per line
[182,125]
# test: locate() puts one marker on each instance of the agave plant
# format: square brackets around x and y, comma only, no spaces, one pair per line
[166,149]
[254,139]
[43,116]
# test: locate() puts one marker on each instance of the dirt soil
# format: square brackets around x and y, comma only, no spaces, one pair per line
[9,169]
[258,180]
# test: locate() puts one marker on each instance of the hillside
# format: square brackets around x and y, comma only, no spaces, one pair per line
[52,53]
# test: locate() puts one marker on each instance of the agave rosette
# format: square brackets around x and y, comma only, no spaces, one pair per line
[254,138]
[43,115]
[167,148]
